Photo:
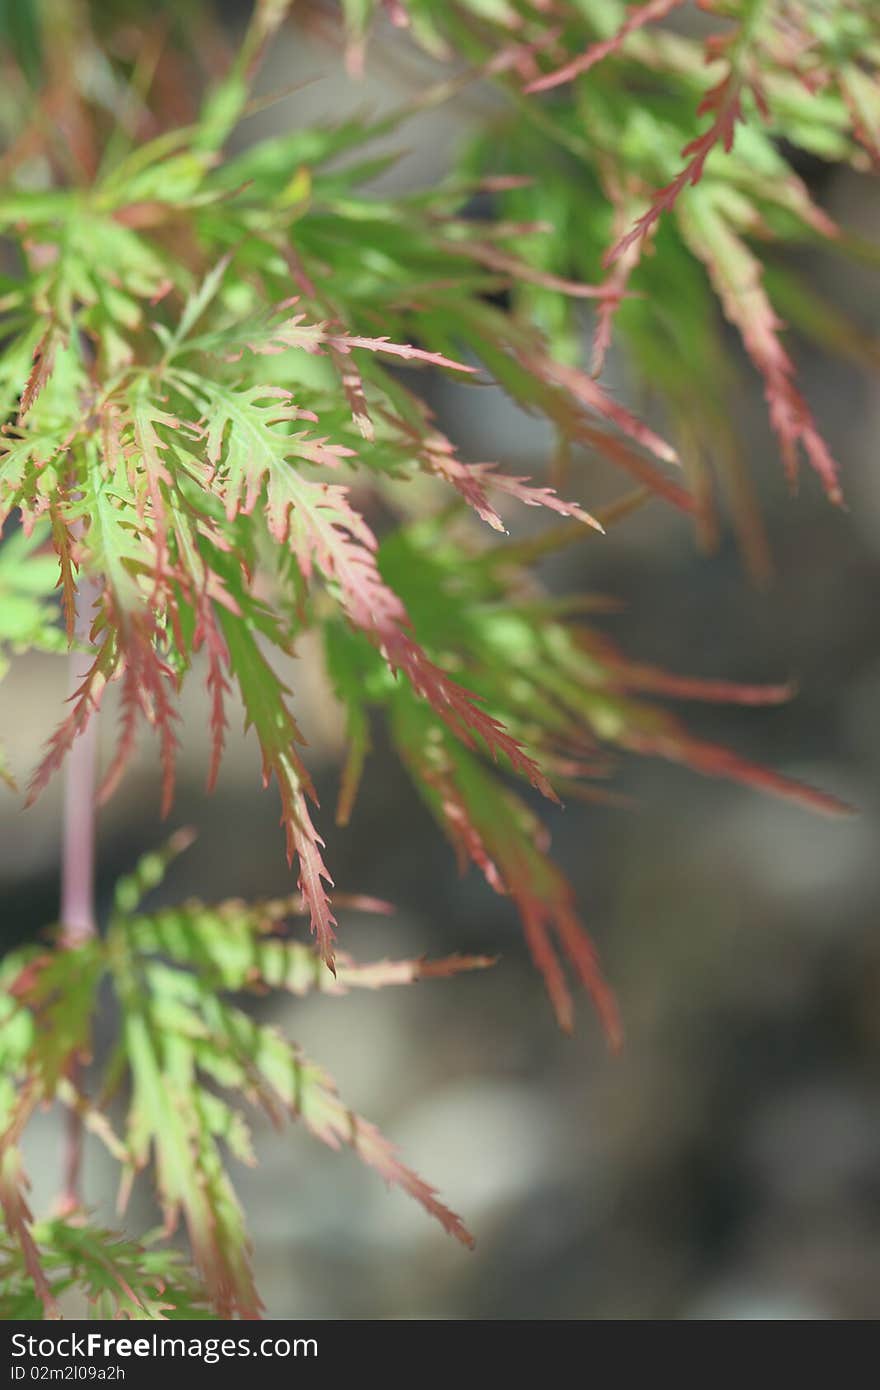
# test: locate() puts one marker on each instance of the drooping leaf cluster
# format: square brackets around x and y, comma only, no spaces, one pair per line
[189,1064]
[663,162]
[83,1266]
[210,388]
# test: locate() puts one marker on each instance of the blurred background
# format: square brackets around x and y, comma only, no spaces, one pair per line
[727,1165]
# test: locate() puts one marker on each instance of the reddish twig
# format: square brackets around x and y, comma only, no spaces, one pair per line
[78,857]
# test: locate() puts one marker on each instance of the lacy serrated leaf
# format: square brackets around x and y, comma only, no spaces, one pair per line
[638,16]
[491,827]
[166,1122]
[281,1075]
[737,276]
[263,695]
[275,336]
[314,1098]
[18,1219]
[119,1277]
[235,946]
[325,533]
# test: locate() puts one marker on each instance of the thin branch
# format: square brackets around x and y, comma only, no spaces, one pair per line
[78,859]
[78,829]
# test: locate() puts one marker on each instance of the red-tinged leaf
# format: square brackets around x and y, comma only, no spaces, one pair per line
[305,841]
[521,58]
[18,1218]
[331,1121]
[619,452]
[488,824]
[129,718]
[438,455]
[265,709]
[555,538]
[324,532]
[628,675]
[738,279]
[296,332]
[725,101]
[473,481]
[583,958]
[379,974]
[44,361]
[535,920]
[518,270]
[292,965]
[236,945]
[616,281]
[85,702]
[667,739]
[591,394]
[67,565]
[546,904]
[593,795]
[637,17]
[353,386]
[456,706]
[455,816]
[363,902]
[346,342]
[533,496]
[658,682]
[570,399]
[209,636]
[605,321]
[147,683]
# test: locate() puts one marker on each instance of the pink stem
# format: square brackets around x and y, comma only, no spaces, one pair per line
[78,827]
[78,922]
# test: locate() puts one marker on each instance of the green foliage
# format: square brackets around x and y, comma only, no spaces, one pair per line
[191,1062]
[208,383]
[114,1277]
